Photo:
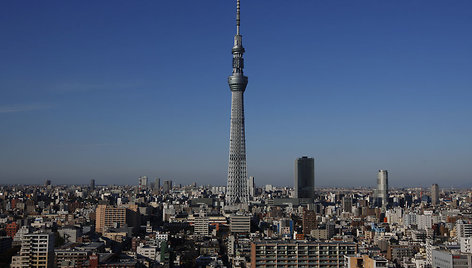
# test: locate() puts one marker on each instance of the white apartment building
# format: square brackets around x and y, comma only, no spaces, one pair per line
[150,252]
[37,250]
[162,236]
[466,244]
[201,226]
[463,229]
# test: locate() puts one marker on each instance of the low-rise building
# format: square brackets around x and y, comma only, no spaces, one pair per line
[300,253]
[450,259]
[240,224]
[365,261]
[150,252]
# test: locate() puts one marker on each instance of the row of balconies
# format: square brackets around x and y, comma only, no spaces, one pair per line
[305,246]
[305,259]
[302,253]
[303,249]
[309,264]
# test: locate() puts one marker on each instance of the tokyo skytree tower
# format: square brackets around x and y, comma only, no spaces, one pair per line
[237,191]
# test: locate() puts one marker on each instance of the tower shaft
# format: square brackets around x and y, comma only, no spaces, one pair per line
[237,177]
[237,191]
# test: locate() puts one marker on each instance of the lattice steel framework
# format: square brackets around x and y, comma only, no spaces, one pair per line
[237,191]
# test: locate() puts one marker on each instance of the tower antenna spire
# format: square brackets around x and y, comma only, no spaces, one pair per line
[237,17]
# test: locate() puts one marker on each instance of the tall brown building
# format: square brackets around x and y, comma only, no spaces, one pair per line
[309,221]
[107,216]
[435,195]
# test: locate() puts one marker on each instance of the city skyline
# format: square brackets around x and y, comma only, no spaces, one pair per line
[97,92]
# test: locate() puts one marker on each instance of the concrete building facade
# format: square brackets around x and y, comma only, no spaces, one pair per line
[382,188]
[300,254]
[37,251]
[240,224]
[435,194]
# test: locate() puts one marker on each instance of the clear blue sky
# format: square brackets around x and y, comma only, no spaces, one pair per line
[113,90]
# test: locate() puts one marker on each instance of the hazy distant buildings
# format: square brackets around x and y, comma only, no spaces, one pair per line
[251,186]
[92,184]
[47,183]
[381,193]
[237,191]
[304,177]
[157,185]
[167,187]
[143,182]
[435,194]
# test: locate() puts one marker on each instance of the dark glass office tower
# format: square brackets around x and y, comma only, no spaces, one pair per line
[305,177]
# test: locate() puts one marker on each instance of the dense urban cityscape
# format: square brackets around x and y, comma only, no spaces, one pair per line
[160,222]
[157,223]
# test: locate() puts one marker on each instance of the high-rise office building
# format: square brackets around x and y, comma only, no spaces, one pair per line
[142,182]
[382,188]
[305,177]
[237,191]
[157,185]
[435,194]
[167,187]
[251,186]
[92,184]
